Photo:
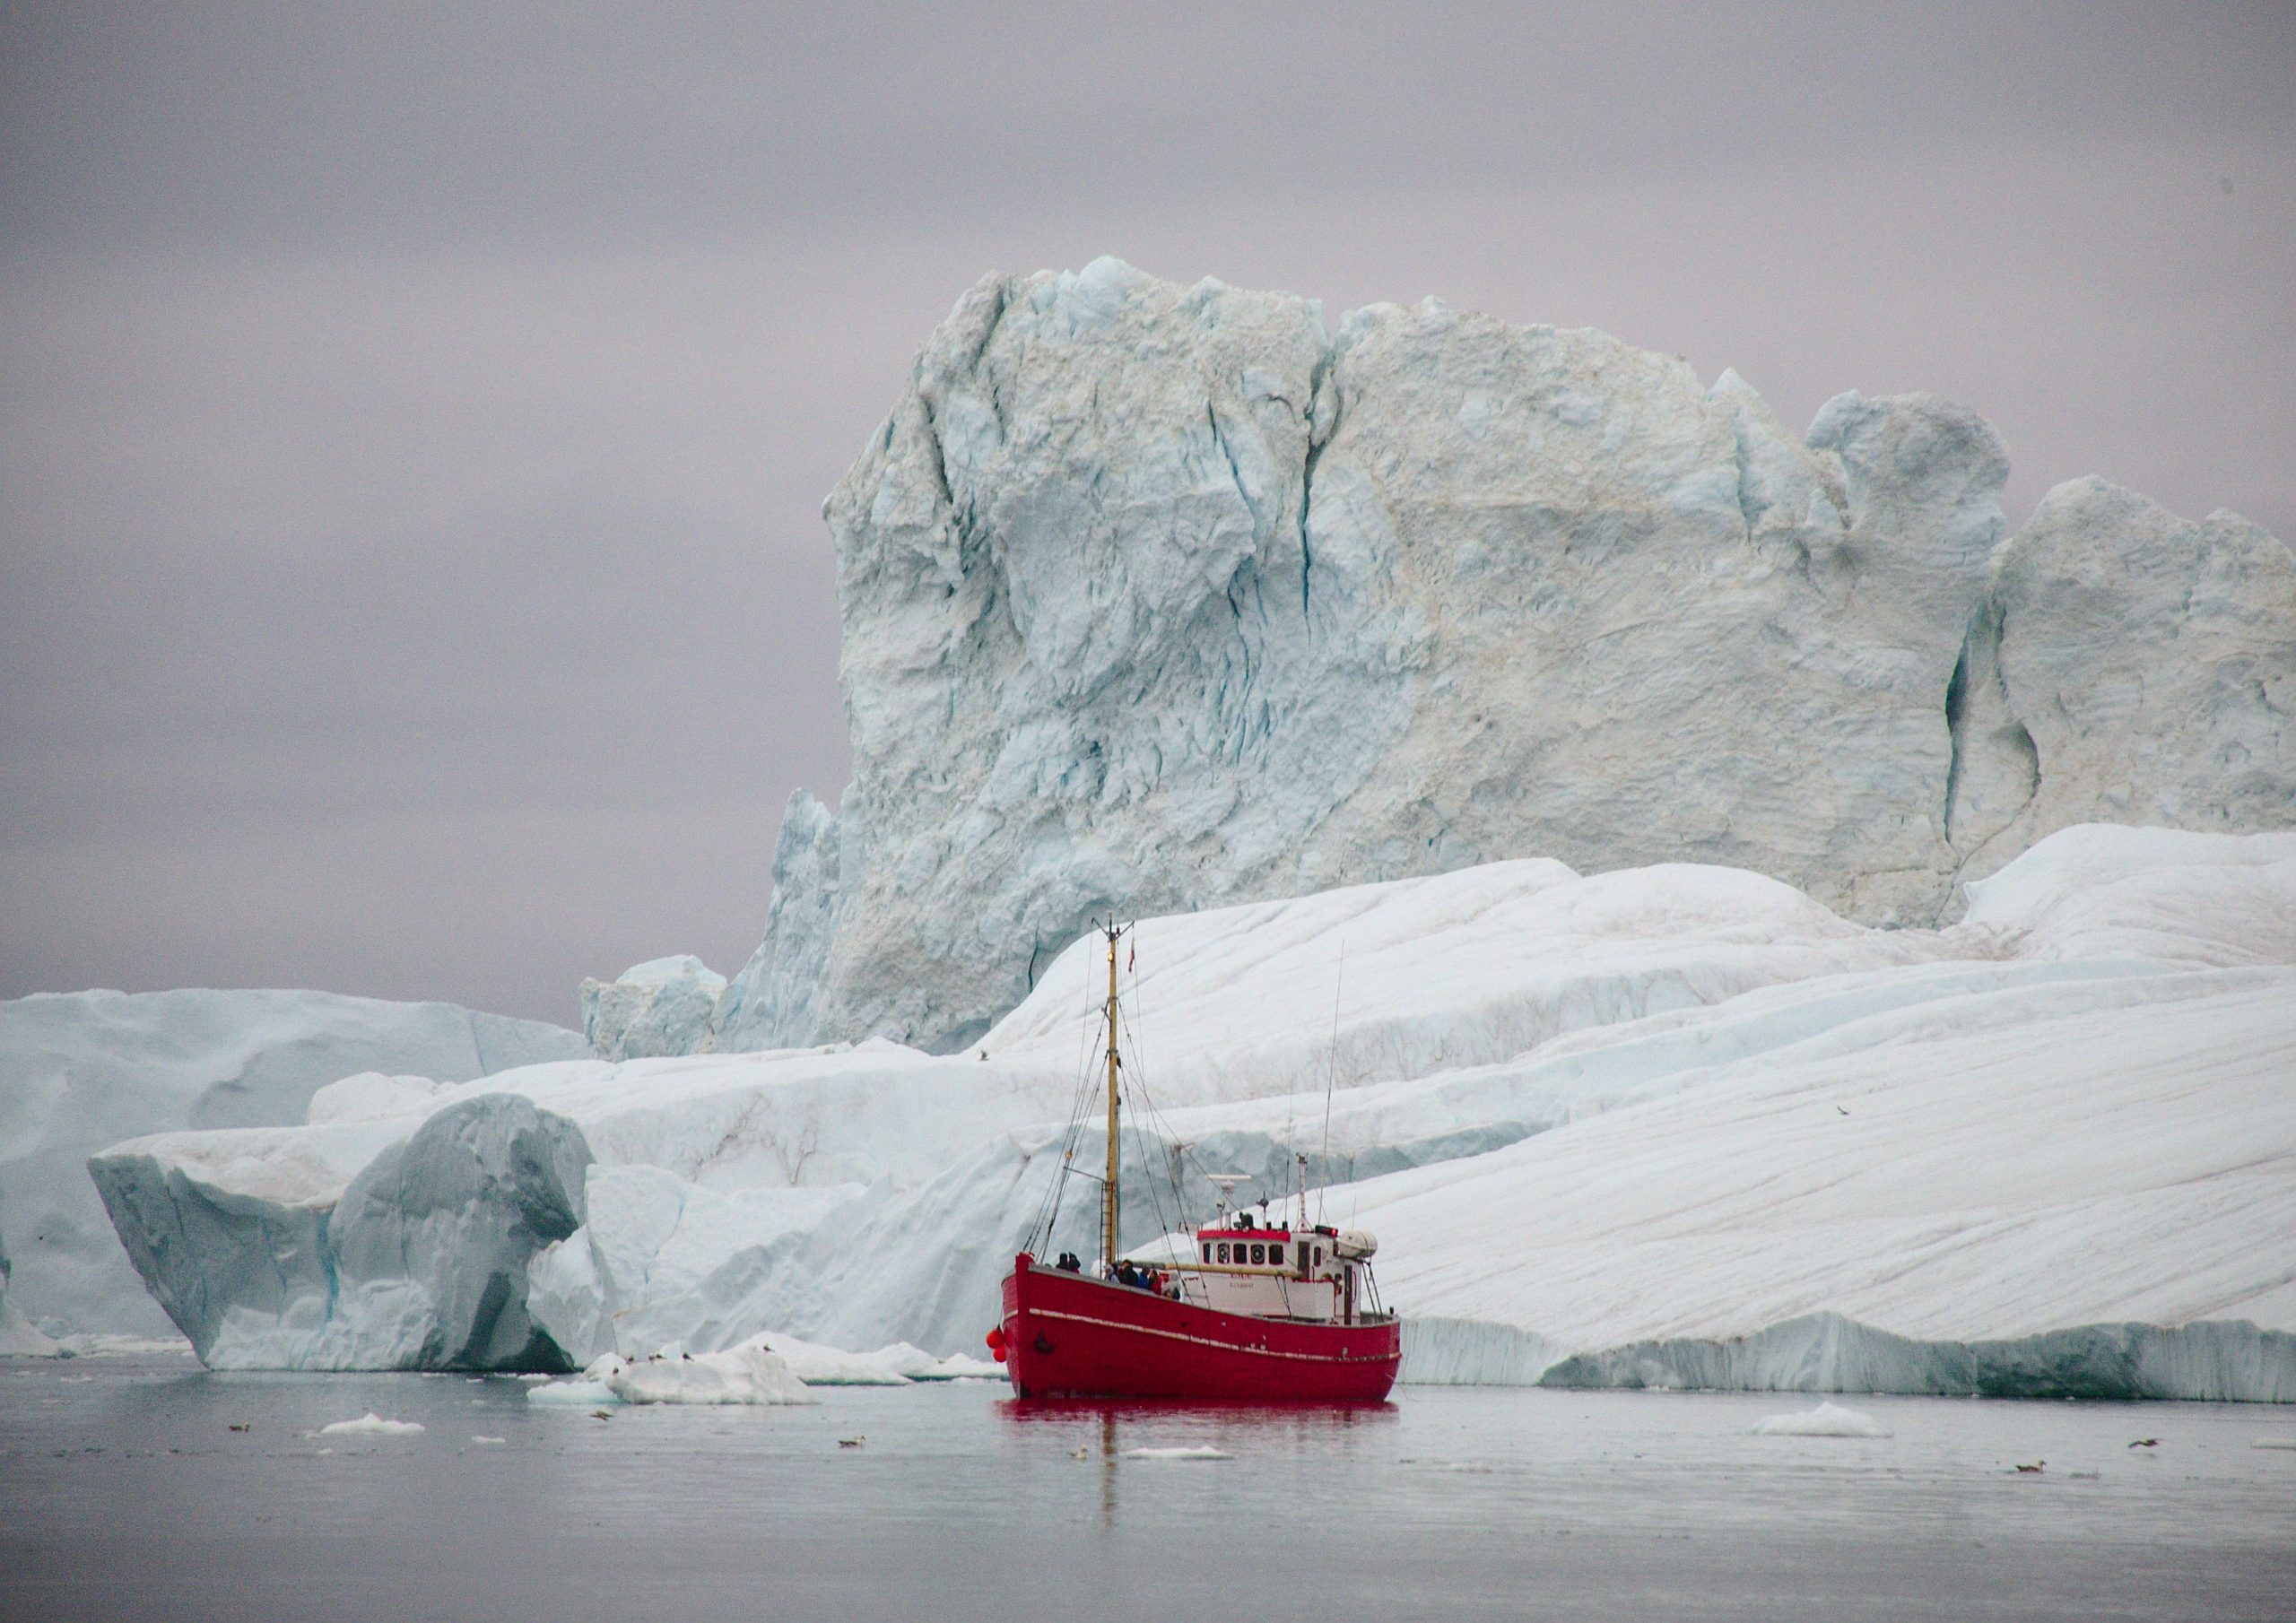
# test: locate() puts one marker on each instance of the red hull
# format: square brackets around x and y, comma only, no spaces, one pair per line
[1070,1336]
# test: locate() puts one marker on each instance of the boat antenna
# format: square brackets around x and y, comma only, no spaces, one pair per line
[1225,1182]
[1331,1081]
[1108,1198]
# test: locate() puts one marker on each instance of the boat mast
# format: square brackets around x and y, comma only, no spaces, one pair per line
[1108,1189]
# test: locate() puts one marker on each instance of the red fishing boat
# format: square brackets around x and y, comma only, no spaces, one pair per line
[1261,1310]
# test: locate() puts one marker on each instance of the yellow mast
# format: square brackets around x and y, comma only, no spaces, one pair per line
[1108,1189]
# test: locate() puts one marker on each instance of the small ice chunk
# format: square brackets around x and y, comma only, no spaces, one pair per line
[1826,1420]
[2273,1442]
[819,1365]
[489,1442]
[372,1425]
[956,1366]
[1206,1453]
[573,1394]
[895,1366]
[740,1374]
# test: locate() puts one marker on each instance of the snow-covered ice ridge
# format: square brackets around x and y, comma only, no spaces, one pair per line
[1673,1125]
[82,1070]
[1162,598]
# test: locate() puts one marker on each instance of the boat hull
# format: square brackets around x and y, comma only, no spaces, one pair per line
[1067,1335]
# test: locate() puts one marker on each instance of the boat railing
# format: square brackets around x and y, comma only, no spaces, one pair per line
[1279,1270]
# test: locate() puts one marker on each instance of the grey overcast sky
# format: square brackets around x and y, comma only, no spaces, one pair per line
[414,422]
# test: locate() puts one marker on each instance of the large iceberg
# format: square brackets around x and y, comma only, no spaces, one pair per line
[1677,1124]
[418,1262]
[1160,598]
[79,1070]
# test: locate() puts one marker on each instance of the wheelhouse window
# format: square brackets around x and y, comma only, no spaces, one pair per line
[1223,1251]
[1259,1253]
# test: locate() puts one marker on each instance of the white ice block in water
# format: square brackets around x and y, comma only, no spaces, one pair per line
[372,1425]
[1826,1420]
[899,1364]
[740,1374]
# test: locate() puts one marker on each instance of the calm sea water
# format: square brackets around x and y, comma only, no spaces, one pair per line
[124,1495]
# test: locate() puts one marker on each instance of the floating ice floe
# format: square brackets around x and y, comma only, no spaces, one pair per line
[1826,1420]
[372,1425]
[83,1345]
[2273,1442]
[740,1374]
[1202,1452]
[490,1442]
[745,1375]
[898,1364]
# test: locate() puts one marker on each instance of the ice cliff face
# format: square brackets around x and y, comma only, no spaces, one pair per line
[79,1070]
[1160,598]
[2130,666]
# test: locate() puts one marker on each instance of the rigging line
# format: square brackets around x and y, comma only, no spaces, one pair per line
[1331,1083]
[1080,1105]
[1148,1177]
[1182,1150]
[1048,1208]
[1149,1107]
[1068,1134]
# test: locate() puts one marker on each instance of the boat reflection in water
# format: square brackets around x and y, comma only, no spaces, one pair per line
[1111,1434]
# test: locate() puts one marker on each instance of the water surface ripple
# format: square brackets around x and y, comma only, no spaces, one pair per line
[128,1495]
